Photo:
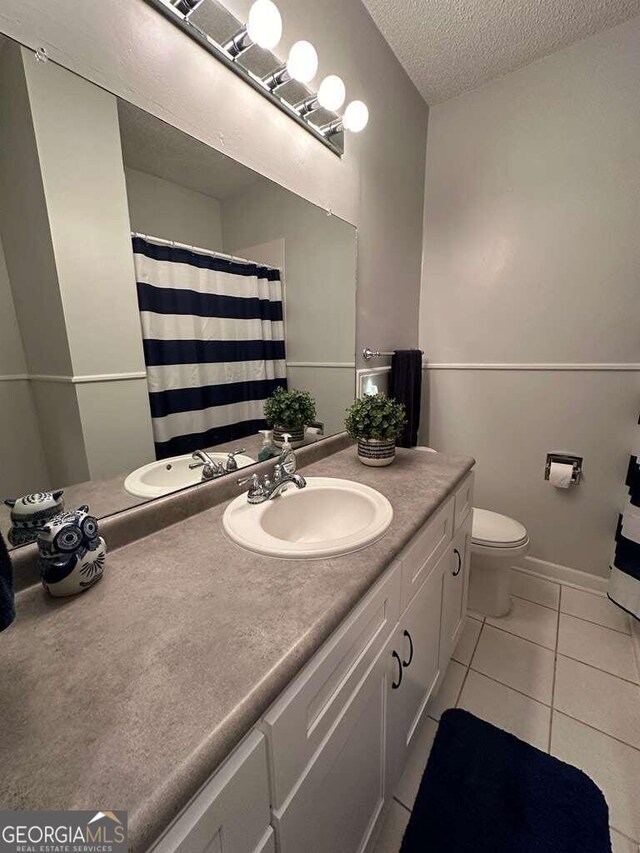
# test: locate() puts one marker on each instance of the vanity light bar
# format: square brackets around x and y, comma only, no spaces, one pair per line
[264,28]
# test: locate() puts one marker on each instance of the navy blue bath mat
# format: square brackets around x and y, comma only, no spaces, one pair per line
[485,791]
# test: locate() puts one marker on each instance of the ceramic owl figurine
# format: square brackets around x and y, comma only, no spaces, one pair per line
[72,554]
[30,513]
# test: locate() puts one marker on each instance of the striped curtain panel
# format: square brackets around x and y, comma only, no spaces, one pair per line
[624,583]
[213,336]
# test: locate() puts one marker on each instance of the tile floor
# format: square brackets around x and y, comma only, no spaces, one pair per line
[560,672]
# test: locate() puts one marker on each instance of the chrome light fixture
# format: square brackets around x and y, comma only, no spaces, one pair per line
[246,49]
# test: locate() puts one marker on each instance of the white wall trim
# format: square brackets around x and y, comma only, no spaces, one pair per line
[604,366]
[16,377]
[332,364]
[563,574]
[79,380]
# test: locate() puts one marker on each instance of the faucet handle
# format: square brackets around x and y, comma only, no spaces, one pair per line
[257,493]
[252,478]
[231,464]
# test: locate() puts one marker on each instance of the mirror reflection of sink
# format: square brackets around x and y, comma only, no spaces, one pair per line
[327,518]
[170,475]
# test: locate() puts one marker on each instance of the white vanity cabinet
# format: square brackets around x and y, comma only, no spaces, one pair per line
[337,738]
[231,813]
[455,590]
[414,664]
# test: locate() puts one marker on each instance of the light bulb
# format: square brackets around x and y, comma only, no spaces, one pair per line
[302,64]
[264,26]
[356,116]
[332,93]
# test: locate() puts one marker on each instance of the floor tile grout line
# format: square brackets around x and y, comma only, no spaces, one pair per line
[540,646]
[400,803]
[519,636]
[594,729]
[555,669]
[464,681]
[599,624]
[531,601]
[624,835]
[599,669]
[515,689]
[475,645]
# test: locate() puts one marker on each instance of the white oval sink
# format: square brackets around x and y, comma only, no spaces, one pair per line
[327,518]
[169,475]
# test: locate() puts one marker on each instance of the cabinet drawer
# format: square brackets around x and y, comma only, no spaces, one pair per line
[464,500]
[231,812]
[303,717]
[423,552]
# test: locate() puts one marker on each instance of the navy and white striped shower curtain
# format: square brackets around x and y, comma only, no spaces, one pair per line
[213,337]
[624,583]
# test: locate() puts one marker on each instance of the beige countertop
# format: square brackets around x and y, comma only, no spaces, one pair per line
[130,695]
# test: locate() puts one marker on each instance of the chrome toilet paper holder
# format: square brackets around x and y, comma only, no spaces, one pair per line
[565,459]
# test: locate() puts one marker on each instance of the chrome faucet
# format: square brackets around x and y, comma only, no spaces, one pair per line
[211,468]
[264,489]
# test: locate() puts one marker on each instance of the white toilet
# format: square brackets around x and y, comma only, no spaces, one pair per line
[497,541]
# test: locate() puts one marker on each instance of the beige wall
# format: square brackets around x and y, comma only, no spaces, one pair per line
[32,460]
[65,224]
[24,224]
[320,263]
[378,185]
[23,465]
[160,208]
[532,257]
[320,288]
[78,139]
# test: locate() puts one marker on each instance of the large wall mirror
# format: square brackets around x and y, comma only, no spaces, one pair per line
[154,296]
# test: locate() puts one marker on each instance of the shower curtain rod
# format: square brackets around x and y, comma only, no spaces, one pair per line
[199,250]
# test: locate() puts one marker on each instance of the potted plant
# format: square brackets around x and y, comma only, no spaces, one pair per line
[289,412]
[375,421]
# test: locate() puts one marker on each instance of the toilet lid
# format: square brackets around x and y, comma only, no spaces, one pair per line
[498,531]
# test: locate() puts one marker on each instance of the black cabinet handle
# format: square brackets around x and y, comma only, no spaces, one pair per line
[456,571]
[395,685]
[408,636]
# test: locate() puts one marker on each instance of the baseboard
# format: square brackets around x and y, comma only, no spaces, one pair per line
[562,574]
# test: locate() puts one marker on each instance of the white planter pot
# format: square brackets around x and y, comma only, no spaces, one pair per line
[376,453]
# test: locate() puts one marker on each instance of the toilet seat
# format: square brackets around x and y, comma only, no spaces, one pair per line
[492,530]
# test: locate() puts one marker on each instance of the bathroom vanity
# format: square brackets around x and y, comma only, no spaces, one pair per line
[329,752]
[232,701]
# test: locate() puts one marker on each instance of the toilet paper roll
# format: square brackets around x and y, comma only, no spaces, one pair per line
[560,475]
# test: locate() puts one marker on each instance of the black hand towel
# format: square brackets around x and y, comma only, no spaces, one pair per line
[7,604]
[405,386]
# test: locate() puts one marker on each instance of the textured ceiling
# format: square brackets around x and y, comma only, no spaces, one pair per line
[450,46]
[152,146]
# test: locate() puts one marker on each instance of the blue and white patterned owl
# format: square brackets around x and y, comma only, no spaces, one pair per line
[72,554]
[30,513]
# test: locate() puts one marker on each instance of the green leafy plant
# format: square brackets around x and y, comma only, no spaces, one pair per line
[290,408]
[376,417]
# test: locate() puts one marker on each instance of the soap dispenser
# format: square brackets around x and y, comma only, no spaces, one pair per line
[268,449]
[288,459]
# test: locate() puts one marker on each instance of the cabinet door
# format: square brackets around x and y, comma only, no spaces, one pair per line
[455,590]
[414,667]
[231,813]
[335,806]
